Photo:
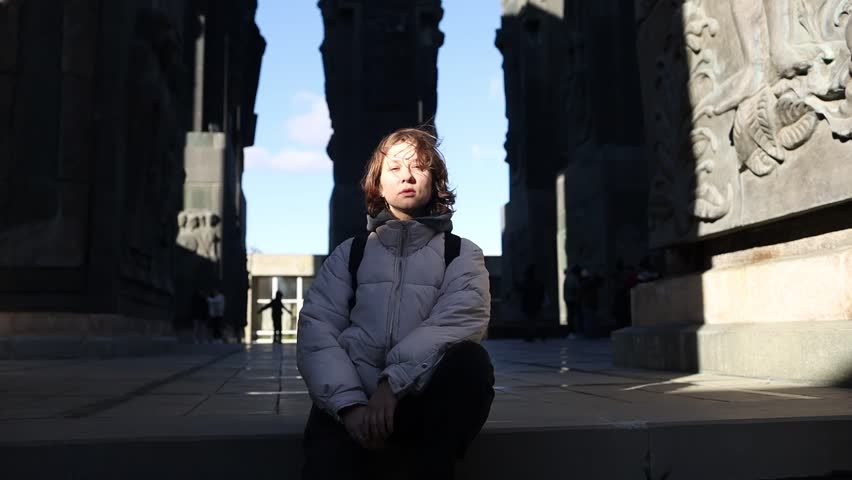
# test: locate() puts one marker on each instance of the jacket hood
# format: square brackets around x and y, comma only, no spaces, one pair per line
[438,223]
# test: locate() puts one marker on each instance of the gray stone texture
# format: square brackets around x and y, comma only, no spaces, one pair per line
[89,201]
[815,353]
[746,116]
[748,129]
[380,61]
[561,60]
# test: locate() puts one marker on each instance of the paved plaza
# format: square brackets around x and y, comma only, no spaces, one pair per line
[561,409]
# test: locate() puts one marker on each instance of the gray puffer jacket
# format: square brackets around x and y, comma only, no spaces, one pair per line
[409,310]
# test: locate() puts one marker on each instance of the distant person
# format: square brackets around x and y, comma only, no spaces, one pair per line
[625,279]
[532,300]
[590,285]
[239,326]
[216,312]
[570,294]
[278,308]
[389,346]
[199,313]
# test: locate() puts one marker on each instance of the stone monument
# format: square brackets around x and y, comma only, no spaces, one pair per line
[748,123]
[229,49]
[96,107]
[574,148]
[380,60]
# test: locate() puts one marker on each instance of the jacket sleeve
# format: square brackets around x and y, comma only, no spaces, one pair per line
[461,312]
[331,378]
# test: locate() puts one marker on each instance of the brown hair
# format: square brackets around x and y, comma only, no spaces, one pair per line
[428,155]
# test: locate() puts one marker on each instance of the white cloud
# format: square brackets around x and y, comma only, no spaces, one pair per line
[313,127]
[306,135]
[288,159]
[495,88]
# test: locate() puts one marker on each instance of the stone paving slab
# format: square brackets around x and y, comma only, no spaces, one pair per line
[563,391]
[551,383]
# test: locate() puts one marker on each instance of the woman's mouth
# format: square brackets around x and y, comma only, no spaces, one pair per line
[408,192]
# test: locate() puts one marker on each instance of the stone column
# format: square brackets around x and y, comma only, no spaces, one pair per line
[565,121]
[750,198]
[212,223]
[527,39]
[89,202]
[380,61]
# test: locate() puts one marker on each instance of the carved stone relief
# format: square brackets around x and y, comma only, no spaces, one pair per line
[747,96]
[56,237]
[200,232]
[154,170]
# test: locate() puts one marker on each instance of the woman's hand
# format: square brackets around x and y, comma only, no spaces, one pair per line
[380,411]
[354,421]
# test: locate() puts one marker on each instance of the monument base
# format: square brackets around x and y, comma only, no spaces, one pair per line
[55,335]
[817,353]
[782,310]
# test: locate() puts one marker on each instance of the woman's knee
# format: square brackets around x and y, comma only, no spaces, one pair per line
[470,359]
[469,352]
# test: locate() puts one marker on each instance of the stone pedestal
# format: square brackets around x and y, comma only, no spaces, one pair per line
[747,125]
[779,311]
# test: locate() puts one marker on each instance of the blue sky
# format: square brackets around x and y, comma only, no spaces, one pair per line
[287,181]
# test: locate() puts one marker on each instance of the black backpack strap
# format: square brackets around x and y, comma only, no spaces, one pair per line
[356,254]
[452,247]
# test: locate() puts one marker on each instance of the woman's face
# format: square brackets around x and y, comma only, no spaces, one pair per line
[405,185]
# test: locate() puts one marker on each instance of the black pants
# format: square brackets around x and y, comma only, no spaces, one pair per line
[276,328]
[216,327]
[431,429]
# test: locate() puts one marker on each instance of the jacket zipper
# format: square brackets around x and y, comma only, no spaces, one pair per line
[399,269]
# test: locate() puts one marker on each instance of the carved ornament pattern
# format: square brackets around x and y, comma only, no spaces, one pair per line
[200,232]
[796,75]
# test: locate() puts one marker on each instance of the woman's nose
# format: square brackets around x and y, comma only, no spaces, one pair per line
[407,175]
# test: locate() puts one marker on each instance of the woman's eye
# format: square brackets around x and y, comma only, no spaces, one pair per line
[394,169]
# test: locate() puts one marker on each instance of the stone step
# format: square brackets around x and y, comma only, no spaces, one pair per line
[262,447]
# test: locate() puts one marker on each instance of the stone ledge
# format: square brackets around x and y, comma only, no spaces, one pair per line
[79,324]
[818,353]
[768,449]
[47,347]
[807,288]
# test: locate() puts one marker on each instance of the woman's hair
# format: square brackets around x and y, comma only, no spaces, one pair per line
[428,156]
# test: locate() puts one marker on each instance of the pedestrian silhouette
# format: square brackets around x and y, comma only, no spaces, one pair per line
[200,315]
[532,300]
[278,308]
[216,313]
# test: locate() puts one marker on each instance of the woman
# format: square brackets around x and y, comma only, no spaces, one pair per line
[391,354]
